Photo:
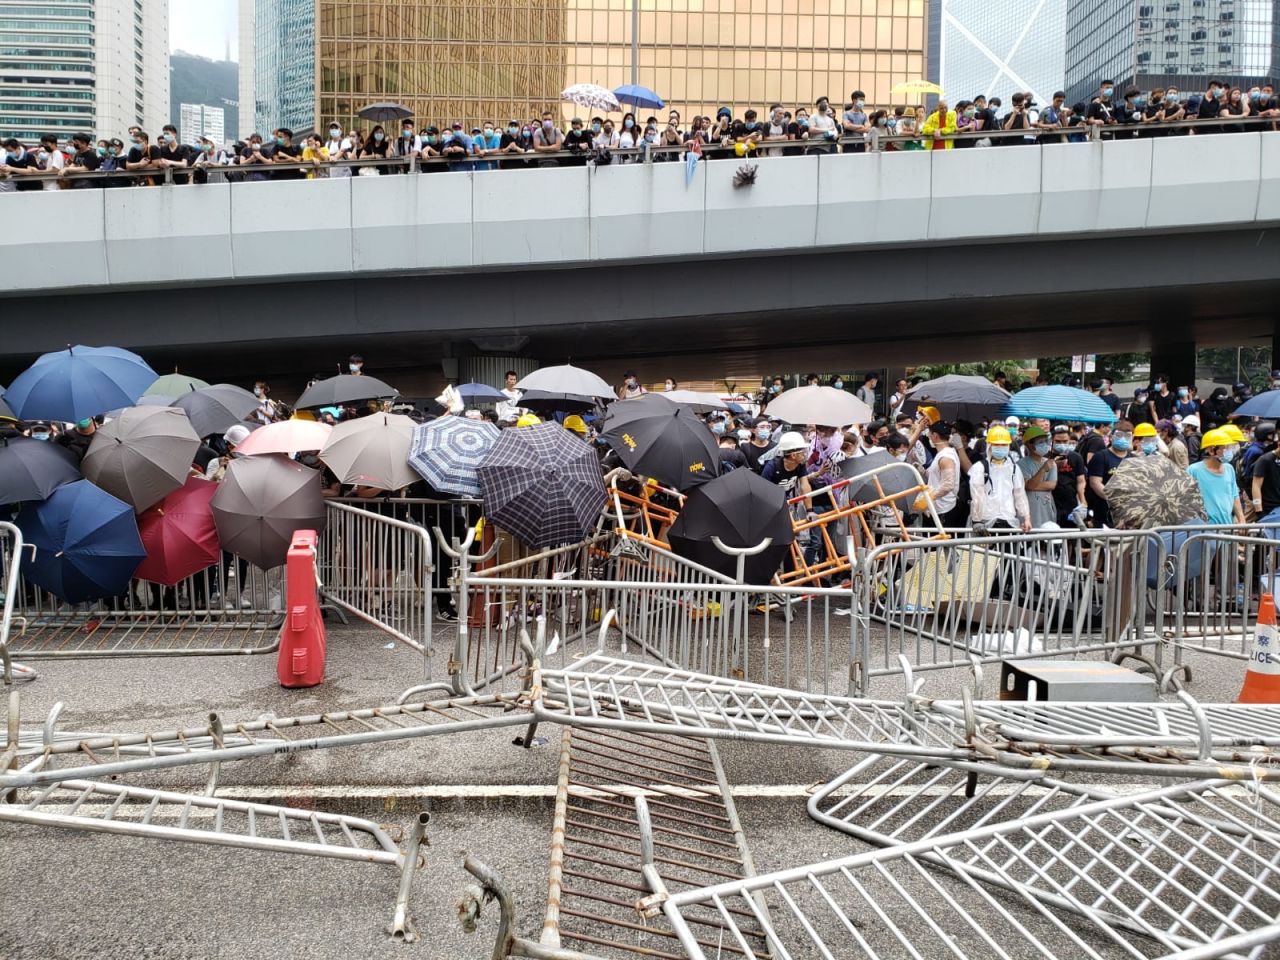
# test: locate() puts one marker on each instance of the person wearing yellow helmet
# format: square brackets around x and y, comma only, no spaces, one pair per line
[1103,465]
[1040,475]
[528,420]
[575,424]
[1148,439]
[998,496]
[1216,478]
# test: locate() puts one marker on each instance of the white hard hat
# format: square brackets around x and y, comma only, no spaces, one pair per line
[236,435]
[791,440]
[1011,421]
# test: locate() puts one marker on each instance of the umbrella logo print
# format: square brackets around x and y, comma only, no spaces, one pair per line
[629,441]
[697,467]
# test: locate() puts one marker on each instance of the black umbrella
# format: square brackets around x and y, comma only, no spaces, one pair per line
[216,409]
[958,396]
[542,484]
[742,509]
[6,412]
[379,112]
[544,401]
[663,440]
[33,469]
[342,389]
[866,484]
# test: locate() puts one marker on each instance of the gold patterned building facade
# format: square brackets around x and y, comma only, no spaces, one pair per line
[473,60]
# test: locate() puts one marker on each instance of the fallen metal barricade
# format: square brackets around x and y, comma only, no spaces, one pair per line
[231,608]
[596,838]
[942,603]
[1184,867]
[379,569]
[96,807]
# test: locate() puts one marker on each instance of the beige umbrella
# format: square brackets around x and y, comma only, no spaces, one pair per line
[824,406]
[142,455]
[372,451]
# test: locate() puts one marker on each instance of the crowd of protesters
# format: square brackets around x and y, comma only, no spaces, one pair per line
[541,141]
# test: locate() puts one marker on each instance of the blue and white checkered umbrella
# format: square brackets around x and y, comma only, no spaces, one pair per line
[447,452]
[592,96]
[543,485]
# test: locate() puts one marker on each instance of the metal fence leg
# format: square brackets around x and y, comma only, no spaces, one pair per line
[402,926]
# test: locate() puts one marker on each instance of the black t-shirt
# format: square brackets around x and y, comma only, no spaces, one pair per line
[89,159]
[26,162]
[775,472]
[1100,110]
[1164,405]
[1267,467]
[137,155]
[1137,413]
[1091,445]
[754,453]
[795,131]
[1209,108]
[294,153]
[1102,465]
[1070,469]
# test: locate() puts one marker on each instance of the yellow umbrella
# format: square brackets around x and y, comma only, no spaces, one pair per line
[917,86]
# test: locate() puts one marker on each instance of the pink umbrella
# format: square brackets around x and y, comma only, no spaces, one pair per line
[287,437]
[179,535]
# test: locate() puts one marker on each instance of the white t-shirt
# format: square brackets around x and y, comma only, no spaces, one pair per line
[334,147]
[57,160]
[995,502]
[821,124]
[933,476]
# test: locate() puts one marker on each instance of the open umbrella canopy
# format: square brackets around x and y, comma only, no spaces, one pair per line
[79,382]
[142,455]
[637,96]
[742,509]
[217,408]
[1265,405]
[260,503]
[568,381]
[917,86]
[1060,404]
[383,111]
[6,412]
[1152,492]
[695,401]
[542,484]
[174,385]
[958,396]
[179,534]
[546,403]
[86,543]
[33,469]
[822,406]
[287,437]
[480,393]
[447,453]
[372,451]
[592,96]
[660,439]
[877,475]
[342,389]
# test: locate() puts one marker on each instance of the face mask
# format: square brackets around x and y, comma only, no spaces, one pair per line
[751,125]
[668,386]
[169,138]
[775,388]
[1171,96]
[998,453]
[1220,94]
[431,138]
[102,151]
[334,133]
[40,436]
[354,367]
[1228,454]
[257,391]
[839,384]
[764,433]
[608,131]
[1255,94]
[883,122]
[899,456]
[1106,91]
[1182,394]
[803,121]
[43,155]
[595,128]
[1041,448]
[859,104]
[718,427]
[406,132]
[628,124]
[136,142]
[379,136]
[1159,384]
[513,130]
[1120,442]
[547,124]
[1150,446]
[208,148]
[970,113]
[822,109]
[1062,449]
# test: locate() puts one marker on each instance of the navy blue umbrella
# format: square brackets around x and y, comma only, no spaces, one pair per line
[1265,405]
[79,382]
[638,96]
[480,393]
[86,543]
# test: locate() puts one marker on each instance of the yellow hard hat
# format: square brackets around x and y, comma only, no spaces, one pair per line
[303,415]
[998,434]
[575,423]
[1144,430]
[1216,438]
[931,414]
[528,420]
[742,149]
[1232,432]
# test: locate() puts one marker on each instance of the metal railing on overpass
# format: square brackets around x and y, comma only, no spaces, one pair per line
[497,160]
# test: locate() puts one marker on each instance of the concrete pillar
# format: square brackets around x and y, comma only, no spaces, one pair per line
[1176,360]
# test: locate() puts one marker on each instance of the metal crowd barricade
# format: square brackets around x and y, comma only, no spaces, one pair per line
[378,568]
[941,603]
[1181,868]
[10,554]
[232,608]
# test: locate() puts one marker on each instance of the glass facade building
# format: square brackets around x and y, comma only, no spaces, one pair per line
[284,64]
[998,47]
[1148,43]
[471,60]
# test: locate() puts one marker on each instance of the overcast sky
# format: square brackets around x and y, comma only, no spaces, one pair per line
[204,27]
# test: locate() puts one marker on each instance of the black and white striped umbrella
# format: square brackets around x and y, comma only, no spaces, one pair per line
[543,485]
[447,453]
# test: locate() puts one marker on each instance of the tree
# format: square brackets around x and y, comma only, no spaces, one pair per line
[1054,369]
[1119,366]
[980,368]
[1227,364]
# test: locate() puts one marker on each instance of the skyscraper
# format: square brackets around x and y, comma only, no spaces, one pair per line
[1148,43]
[97,66]
[494,59]
[200,120]
[248,29]
[998,47]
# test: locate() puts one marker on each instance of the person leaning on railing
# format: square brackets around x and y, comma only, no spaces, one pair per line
[939,127]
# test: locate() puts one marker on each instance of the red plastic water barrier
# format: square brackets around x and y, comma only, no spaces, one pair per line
[302,638]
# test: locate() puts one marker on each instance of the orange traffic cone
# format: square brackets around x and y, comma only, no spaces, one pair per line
[1262,678]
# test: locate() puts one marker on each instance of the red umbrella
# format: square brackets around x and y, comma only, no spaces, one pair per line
[179,535]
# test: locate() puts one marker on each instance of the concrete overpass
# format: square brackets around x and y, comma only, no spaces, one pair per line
[833,262]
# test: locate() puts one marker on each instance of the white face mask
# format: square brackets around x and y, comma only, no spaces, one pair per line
[354,367]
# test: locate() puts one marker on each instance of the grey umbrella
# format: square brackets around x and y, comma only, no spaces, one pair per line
[877,475]
[216,409]
[141,456]
[372,451]
[385,110]
[344,388]
[958,396]
[33,469]
[260,503]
